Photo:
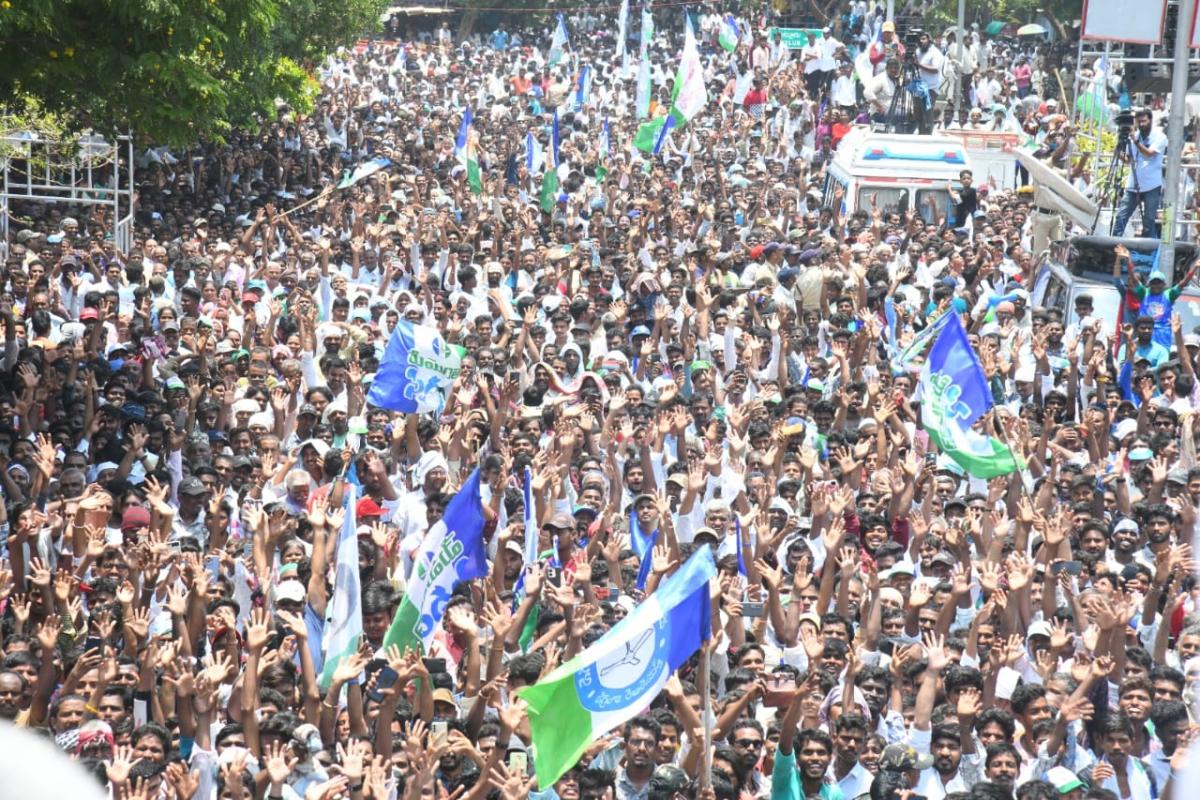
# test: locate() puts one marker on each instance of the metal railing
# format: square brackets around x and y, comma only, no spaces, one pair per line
[88,171]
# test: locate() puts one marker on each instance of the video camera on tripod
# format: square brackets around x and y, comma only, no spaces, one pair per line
[1124,122]
[912,40]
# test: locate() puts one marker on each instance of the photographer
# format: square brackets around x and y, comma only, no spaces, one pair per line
[929,66]
[879,91]
[1145,150]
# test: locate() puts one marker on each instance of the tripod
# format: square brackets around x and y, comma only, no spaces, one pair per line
[899,117]
[1111,191]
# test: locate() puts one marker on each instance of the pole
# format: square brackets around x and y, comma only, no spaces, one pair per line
[705,678]
[1175,120]
[959,35]
[891,11]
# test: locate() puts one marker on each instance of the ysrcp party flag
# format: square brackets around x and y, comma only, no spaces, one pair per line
[954,395]
[611,681]
[559,43]
[362,171]
[416,364]
[729,34]
[346,626]
[452,552]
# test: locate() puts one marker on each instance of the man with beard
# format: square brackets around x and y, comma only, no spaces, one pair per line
[802,773]
[747,740]
[1002,764]
[452,766]
[641,743]
[12,689]
[875,683]
[951,772]
[849,738]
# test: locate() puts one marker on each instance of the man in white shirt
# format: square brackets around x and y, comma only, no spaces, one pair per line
[879,91]
[829,62]
[844,94]
[810,56]
[849,738]
[929,67]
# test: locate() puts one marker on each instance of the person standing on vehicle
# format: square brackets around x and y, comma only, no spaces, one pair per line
[1145,151]
[1155,300]
[929,65]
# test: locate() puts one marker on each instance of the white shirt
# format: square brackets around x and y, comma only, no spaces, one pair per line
[811,55]
[857,781]
[930,63]
[829,46]
[843,93]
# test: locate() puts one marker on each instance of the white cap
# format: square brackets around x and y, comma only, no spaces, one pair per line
[1124,428]
[290,591]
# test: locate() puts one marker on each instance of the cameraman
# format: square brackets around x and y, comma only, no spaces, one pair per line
[929,66]
[879,92]
[1145,149]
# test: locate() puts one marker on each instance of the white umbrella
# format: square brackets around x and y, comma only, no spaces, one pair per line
[1032,29]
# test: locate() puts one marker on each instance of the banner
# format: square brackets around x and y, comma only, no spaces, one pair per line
[795,38]
[1112,21]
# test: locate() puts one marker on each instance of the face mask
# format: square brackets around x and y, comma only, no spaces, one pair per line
[116,363]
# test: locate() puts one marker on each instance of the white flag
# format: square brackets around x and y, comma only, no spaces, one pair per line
[346,628]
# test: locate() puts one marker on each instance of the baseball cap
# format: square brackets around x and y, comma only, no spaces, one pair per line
[192,485]
[135,517]
[562,520]
[1063,779]
[1039,628]
[903,758]
[289,591]
[889,26]
[368,508]
[667,779]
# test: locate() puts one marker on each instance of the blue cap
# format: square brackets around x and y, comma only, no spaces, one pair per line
[788,272]
[640,330]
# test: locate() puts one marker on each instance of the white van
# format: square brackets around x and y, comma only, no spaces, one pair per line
[895,172]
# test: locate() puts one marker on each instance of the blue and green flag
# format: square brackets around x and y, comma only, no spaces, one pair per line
[954,396]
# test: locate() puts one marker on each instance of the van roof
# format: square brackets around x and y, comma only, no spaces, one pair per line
[862,152]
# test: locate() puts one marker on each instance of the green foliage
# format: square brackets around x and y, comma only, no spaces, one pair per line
[169,70]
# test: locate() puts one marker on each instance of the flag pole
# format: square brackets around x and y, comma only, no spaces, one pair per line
[310,201]
[996,423]
[706,709]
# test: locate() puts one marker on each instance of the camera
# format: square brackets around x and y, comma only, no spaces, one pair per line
[912,38]
[1124,121]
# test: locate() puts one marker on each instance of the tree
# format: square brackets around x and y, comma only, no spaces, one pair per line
[169,70]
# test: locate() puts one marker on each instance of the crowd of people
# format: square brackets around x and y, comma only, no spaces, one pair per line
[695,342]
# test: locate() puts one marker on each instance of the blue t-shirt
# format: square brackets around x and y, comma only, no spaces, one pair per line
[785,781]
